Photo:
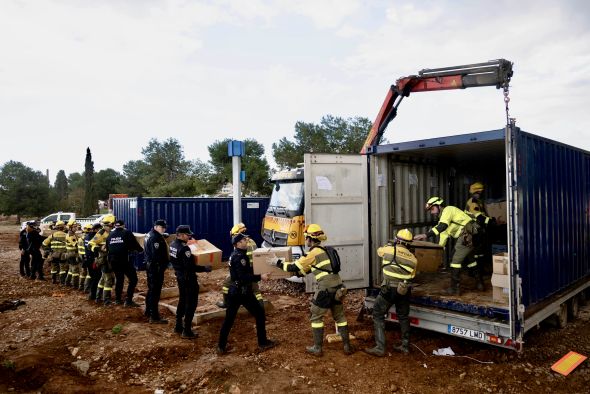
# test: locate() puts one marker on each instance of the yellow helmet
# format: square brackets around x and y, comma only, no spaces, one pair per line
[314,231]
[404,235]
[477,187]
[237,229]
[87,227]
[108,220]
[433,201]
[71,221]
[59,223]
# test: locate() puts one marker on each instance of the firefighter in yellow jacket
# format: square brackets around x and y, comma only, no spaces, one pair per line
[330,290]
[98,245]
[55,248]
[82,253]
[456,223]
[240,228]
[476,207]
[399,268]
[72,256]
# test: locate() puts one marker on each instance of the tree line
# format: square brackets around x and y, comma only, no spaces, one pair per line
[164,171]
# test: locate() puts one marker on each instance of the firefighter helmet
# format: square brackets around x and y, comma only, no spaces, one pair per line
[314,231]
[108,220]
[433,201]
[59,223]
[477,187]
[87,227]
[237,229]
[404,235]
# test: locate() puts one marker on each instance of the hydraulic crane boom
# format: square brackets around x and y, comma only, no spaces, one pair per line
[493,73]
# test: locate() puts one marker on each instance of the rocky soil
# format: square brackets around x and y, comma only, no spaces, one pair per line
[59,342]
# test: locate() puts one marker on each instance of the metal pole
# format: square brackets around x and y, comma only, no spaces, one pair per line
[236,169]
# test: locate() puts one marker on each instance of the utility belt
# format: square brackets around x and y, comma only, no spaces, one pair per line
[400,285]
[240,288]
[326,297]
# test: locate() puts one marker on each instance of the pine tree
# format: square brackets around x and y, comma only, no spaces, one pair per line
[90,203]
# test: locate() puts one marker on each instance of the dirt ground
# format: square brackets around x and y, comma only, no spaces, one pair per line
[47,343]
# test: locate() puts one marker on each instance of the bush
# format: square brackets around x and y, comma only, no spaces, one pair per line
[117,329]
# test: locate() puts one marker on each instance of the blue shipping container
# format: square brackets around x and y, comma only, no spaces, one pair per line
[209,218]
[541,190]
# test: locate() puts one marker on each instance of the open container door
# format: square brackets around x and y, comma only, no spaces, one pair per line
[336,199]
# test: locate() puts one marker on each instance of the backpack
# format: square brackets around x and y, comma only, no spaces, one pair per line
[334,259]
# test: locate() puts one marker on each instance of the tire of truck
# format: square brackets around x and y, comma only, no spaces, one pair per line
[561,316]
[573,308]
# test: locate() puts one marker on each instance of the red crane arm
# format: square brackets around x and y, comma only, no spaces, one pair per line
[493,73]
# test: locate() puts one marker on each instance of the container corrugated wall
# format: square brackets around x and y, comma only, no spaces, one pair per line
[553,182]
[209,218]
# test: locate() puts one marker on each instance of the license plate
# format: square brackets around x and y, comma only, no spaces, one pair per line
[467,333]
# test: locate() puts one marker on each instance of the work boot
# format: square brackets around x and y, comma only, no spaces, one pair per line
[131,304]
[76,282]
[455,280]
[177,328]
[99,296]
[379,349]
[62,279]
[479,279]
[404,325]
[404,347]
[187,333]
[223,303]
[318,339]
[54,278]
[267,345]
[348,348]
[118,302]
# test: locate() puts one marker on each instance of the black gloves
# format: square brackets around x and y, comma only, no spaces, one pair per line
[279,263]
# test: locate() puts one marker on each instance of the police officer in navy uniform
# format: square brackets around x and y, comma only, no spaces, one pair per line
[157,258]
[35,241]
[25,256]
[120,243]
[241,293]
[186,270]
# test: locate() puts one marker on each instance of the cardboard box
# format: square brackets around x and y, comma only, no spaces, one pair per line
[500,280]
[205,253]
[261,255]
[497,210]
[500,263]
[500,294]
[429,255]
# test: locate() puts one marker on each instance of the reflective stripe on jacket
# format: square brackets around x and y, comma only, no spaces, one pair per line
[56,242]
[398,263]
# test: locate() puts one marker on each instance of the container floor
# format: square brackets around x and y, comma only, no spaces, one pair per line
[429,290]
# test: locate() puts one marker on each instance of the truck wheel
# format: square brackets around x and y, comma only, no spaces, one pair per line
[561,316]
[573,308]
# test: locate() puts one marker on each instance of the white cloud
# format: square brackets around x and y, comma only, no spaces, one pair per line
[113,74]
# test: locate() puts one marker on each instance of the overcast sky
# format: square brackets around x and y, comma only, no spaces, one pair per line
[111,75]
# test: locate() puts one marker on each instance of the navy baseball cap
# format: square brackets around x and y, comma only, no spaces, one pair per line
[238,237]
[184,229]
[160,222]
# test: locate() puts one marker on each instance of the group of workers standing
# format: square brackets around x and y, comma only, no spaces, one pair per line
[98,259]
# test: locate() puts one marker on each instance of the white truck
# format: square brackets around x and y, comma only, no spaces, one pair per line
[64,217]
